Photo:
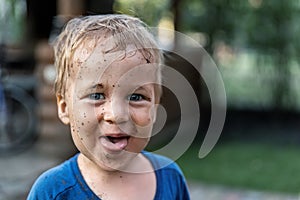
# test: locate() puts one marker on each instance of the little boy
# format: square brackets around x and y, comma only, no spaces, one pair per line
[108,88]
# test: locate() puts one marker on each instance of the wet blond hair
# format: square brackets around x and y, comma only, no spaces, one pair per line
[126,30]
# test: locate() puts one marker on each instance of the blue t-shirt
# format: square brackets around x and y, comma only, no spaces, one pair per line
[66,182]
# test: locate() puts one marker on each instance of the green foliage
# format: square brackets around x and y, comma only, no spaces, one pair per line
[252,166]
[150,11]
[270,28]
[216,18]
[267,25]
[12,21]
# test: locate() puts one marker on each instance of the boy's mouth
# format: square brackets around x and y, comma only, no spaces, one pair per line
[115,142]
[117,139]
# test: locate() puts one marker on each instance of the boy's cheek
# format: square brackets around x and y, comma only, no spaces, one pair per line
[144,125]
[83,120]
[143,117]
[137,144]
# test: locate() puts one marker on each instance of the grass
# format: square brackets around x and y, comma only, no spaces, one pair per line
[244,165]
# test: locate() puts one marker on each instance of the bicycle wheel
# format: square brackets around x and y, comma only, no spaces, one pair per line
[17,120]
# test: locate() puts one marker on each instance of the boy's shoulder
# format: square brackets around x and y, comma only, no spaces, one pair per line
[171,183]
[55,180]
[161,162]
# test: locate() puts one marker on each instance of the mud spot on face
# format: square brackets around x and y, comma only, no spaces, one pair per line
[82,124]
[106,156]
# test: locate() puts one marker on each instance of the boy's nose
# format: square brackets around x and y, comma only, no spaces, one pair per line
[115,113]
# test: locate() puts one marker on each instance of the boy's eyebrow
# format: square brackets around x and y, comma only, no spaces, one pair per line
[98,85]
[142,88]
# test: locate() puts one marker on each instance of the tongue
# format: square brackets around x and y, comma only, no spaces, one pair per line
[114,144]
[121,142]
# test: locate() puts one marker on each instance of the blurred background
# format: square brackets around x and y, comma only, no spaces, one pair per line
[254,43]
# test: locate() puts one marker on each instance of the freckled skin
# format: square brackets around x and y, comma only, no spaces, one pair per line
[90,120]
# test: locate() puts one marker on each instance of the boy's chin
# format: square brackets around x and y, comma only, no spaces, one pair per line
[123,163]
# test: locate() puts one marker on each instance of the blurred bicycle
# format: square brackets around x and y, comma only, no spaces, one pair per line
[17,112]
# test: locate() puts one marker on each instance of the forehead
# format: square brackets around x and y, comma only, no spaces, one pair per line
[95,61]
[106,46]
[91,48]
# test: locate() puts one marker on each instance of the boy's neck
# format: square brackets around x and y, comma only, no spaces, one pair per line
[105,183]
[140,165]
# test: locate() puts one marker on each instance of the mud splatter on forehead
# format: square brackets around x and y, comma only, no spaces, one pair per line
[124,29]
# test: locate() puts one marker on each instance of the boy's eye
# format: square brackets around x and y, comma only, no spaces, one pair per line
[96,96]
[135,97]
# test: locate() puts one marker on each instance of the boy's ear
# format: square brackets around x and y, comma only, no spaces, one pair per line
[63,113]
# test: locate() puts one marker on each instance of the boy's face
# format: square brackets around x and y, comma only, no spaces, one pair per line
[110,105]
